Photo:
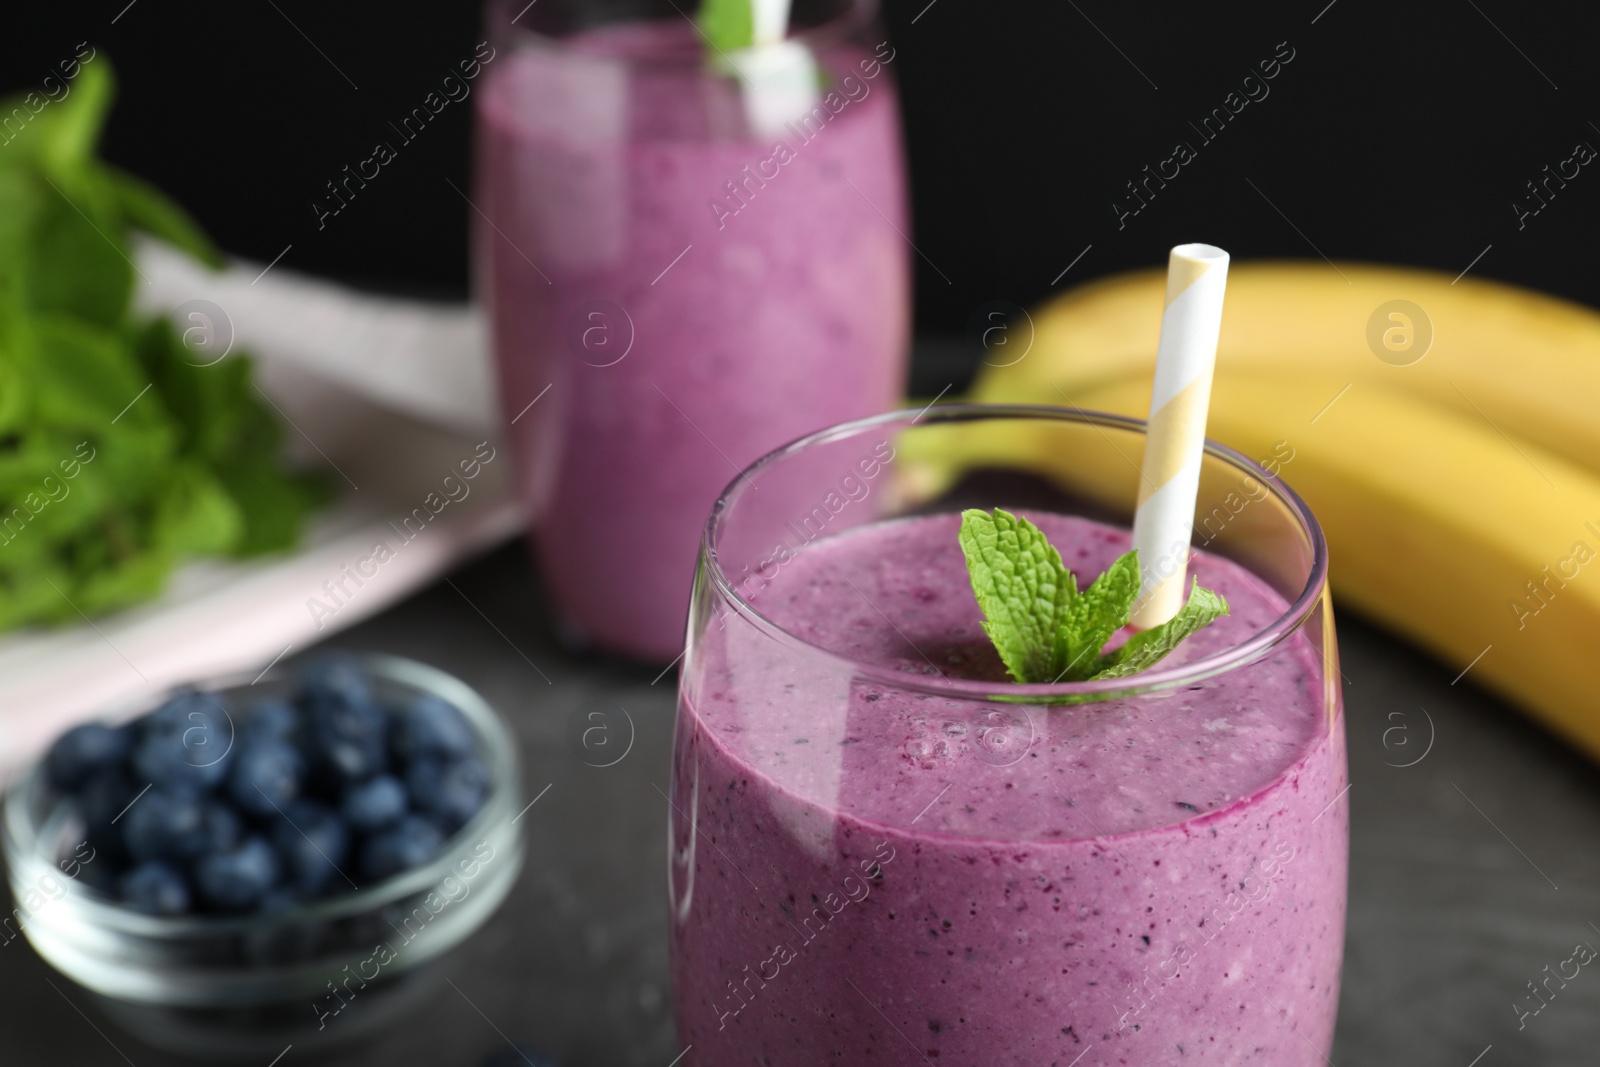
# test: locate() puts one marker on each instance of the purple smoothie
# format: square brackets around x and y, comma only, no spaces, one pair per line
[869,874]
[690,294]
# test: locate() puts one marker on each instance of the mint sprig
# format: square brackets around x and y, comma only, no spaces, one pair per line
[129,445]
[1044,628]
[1141,651]
[728,25]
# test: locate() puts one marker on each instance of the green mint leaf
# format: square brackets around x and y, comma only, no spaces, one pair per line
[1022,586]
[273,504]
[1091,620]
[1044,629]
[119,583]
[63,136]
[729,25]
[78,262]
[194,515]
[1143,649]
[169,459]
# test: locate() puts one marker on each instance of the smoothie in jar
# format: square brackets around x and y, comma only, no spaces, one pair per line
[874,864]
[673,291]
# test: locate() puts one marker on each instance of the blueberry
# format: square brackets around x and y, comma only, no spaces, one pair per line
[429,726]
[349,742]
[266,775]
[220,827]
[175,712]
[451,792]
[272,718]
[236,880]
[313,845]
[345,730]
[334,681]
[155,888]
[374,804]
[104,798]
[186,743]
[83,751]
[410,843]
[163,825]
[348,751]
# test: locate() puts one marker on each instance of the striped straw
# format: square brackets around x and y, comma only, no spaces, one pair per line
[780,76]
[770,20]
[1170,474]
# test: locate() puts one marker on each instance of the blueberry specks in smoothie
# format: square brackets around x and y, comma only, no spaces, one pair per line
[1117,828]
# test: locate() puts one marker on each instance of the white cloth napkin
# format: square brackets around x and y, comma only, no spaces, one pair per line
[430,361]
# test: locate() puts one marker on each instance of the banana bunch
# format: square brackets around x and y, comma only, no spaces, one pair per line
[1447,435]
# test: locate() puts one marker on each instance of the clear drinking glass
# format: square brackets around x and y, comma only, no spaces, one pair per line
[884,851]
[683,269]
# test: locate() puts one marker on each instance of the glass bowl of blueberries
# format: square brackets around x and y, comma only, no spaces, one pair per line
[245,864]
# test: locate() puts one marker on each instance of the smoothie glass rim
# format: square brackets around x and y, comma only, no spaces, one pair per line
[855,16]
[1248,651]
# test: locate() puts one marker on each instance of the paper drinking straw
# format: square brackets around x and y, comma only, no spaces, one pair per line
[769,20]
[779,76]
[1169,477]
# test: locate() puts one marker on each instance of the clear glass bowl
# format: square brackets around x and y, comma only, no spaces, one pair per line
[240,985]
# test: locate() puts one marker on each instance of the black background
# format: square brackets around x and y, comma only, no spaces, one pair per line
[1399,133]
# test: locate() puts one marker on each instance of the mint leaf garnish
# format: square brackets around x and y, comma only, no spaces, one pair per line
[1144,648]
[728,25]
[1045,629]
[1098,613]
[1022,586]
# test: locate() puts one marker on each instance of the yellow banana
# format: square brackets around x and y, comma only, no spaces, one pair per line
[1527,363]
[1482,549]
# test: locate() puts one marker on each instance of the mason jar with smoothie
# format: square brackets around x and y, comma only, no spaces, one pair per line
[887,849]
[688,255]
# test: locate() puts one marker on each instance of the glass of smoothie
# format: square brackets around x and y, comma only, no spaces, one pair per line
[885,851]
[687,258]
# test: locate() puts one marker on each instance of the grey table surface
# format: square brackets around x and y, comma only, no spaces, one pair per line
[1473,866]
